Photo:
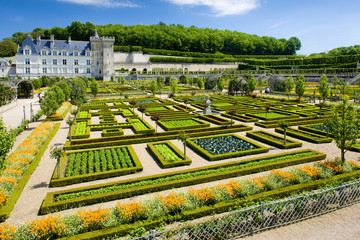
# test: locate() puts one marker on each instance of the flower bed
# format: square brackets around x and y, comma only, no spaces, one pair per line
[140,126]
[196,203]
[127,112]
[80,130]
[273,139]
[307,136]
[271,115]
[240,117]
[21,164]
[168,155]
[292,122]
[85,165]
[127,188]
[172,125]
[224,146]
[316,128]
[61,112]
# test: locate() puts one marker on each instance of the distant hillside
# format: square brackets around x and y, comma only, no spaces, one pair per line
[352,50]
[174,37]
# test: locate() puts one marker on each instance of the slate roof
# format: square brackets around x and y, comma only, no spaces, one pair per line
[4,63]
[59,45]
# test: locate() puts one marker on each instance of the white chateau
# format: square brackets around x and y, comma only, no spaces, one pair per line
[39,57]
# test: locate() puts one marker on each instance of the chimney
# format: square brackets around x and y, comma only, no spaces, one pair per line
[69,39]
[52,41]
[38,39]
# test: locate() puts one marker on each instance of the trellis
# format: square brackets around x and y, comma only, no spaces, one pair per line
[264,216]
[15,84]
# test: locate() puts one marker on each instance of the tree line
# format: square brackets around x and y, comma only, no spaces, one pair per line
[173,37]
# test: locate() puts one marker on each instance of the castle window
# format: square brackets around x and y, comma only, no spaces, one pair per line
[76,54]
[99,71]
[88,70]
[55,53]
[44,61]
[54,61]
[27,70]
[97,63]
[27,52]
[76,70]
[27,61]
[44,70]
[88,54]
[88,62]
[76,62]
[55,70]
[64,53]
[43,53]
[64,62]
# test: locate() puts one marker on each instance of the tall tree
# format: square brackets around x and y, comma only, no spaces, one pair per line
[324,88]
[300,86]
[153,87]
[344,125]
[252,84]
[289,85]
[94,87]
[7,48]
[173,86]
[183,137]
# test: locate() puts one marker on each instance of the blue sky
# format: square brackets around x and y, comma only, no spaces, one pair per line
[321,25]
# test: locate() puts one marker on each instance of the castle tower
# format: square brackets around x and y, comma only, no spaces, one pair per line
[103,56]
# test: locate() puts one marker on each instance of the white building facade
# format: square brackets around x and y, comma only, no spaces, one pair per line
[36,58]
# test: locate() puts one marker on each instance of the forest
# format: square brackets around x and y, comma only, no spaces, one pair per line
[173,37]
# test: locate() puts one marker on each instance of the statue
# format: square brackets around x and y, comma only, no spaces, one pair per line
[207,105]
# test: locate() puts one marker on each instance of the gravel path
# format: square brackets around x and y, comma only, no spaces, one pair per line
[35,191]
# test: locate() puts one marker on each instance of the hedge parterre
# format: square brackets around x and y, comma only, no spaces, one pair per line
[182,206]
[56,201]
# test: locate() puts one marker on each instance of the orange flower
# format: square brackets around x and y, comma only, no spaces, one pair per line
[3,198]
[233,188]
[204,195]
[173,203]
[8,179]
[6,231]
[46,228]
[312,171]
[332,165]
[91,219]
[130,212]
[259,182]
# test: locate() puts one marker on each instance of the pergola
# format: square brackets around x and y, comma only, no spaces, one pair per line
[15,84]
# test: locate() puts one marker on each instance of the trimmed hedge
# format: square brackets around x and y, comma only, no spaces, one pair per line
[9,205]
[287,115]
[307,128]
[160,159]
[56,182]
[216,208]
[268,140]
[150,129]
[303,135]
[240,117]
[139,138]
[73,130]
[211,157]
[215,119]
[201,124]
[291,122]
[112,132]
[50,205]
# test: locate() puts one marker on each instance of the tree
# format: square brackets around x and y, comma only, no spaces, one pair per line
[156,117]
[57,153]
[221,84]
[70,122]
[7,48]
[289,85]
[232,112]
[183,137]
[335,81]
[321,106]
[252,84]
[343,86]
[267,108]
[300,86]
[260,82]
[153,87]
[133,103]
[173,86]
[94,87]
[344,126]
[185,100]
[78,91]
[49,103]
[6,143]
[64,86]
[324,88]
[142,109]
[284,125]
[200,83]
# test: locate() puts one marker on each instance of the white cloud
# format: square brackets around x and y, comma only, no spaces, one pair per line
[102,3]
[222,7]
